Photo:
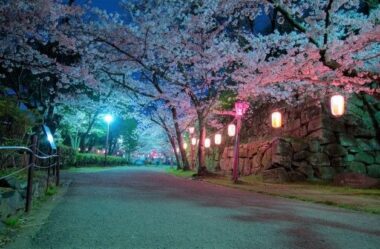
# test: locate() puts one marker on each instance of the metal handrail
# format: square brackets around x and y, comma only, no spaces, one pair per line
[22,148]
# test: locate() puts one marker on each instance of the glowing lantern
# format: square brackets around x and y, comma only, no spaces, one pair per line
[193,141]
[185,146]
[337,105]
[191,130]
[276,120]
[207,143]
[177,150]
[231,130]
[218,139]
[241,108]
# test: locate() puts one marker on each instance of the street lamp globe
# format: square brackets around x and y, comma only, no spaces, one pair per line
[241,107]
[108,118]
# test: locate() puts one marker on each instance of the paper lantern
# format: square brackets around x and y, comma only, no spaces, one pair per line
[207,143]
[231,130]
[337,105]
[185,146]
[191,130]
[241,108]
[276,120]
[218,139]
[193,141]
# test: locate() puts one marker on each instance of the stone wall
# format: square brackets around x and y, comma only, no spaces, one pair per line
[13,194]
[312,144]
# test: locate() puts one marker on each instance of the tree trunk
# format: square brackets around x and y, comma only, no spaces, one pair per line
[180,139]
[202,169]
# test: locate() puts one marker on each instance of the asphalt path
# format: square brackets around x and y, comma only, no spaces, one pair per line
[146,208]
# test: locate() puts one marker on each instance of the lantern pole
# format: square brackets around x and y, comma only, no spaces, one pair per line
[235,172]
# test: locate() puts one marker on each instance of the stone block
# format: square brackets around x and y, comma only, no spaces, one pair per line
[354,109]
[338,162]
[298,145]
[303,131]
[253,149]
[327,173]
[365,157]
[266,160]
[356,180]
[356,167]
[296,176]
[282,147]
[296,165]
[350,120]
[243,152]
[314,145]
[277,175]
[363,144]
[319,159]
[374,170]
[230,152]
[314,125]
[335,150]
[307,170]
[301,155]
[374,144]
[347,140]
[282,161]
[365,132]
[11,203]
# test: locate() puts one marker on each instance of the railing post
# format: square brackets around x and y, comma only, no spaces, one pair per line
[57,166]
[29,189]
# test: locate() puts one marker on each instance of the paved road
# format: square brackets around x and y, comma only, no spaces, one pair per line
[143,208]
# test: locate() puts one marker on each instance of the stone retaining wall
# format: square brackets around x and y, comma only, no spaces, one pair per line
[312,143]
[13,194]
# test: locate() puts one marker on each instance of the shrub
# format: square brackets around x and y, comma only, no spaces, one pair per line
[68,156]
[86,159]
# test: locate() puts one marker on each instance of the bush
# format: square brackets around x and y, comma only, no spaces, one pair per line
[68,156]
[86,159]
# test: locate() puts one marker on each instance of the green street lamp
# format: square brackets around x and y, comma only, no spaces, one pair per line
[108,119]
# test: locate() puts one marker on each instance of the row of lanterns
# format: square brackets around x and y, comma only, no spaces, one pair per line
[337,106]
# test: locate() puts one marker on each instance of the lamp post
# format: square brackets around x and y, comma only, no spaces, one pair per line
[108,119]
[240,109]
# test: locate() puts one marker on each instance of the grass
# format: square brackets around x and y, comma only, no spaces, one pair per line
[13,222]
[180,173]
[364,200]
[51,190]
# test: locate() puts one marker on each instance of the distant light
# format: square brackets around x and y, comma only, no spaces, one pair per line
[185,146]
[177,150]
[241,107]
[207,143]
[231,130]
[276,120]
[193,141]
[191,130]
[218,139]
[337,105]
[50,138]
[108,118]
